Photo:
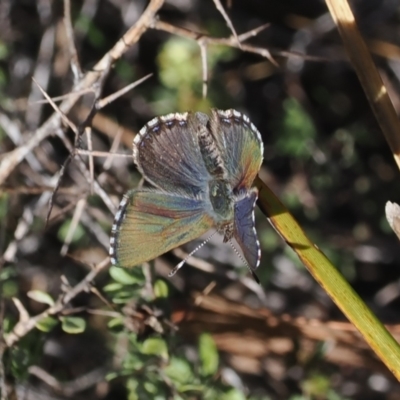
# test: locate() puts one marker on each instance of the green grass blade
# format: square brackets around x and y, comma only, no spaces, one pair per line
[373,331]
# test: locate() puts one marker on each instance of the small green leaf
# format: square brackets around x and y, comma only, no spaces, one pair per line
[111,375]
[233,394]
[41,297]
[7,272]
[115,322]
[46,324]
[208,354]
[316,386]
[113,287]
[73,325]
[179,371]
[9,289]
[79,232]
[155,346]
[160,289]
[123,276]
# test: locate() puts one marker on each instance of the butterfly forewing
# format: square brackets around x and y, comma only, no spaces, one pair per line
[150,223]
[244,228]
[168,155]
[241,146]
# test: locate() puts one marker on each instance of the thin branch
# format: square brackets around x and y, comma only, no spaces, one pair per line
[113,149]
[221,9]
[231,41]
[63,117]
[42,75]
[64,96]
[75,67]
[41,189]
[88,131]
[96,153]
[203,53]
[80,206]
[84,171]
[109,99]
[70,388]
[254,32]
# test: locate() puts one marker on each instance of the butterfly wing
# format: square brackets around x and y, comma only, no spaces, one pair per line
[167,153]
[149,223]
[244,228]
[240,145]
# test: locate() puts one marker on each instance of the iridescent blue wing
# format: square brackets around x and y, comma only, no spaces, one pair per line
[167,153]
[240,145]
[149,223]
[244,228]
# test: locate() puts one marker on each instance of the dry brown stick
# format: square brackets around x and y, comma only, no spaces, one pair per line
[80,206]
[164,26]
[26,325]
[88,131]
[222,11]
[13,158]
[203,53]
[112,97]
[84,171]
[43,188]
[231,41]
[69,388]
[367,73]
[42,75]
[75,66]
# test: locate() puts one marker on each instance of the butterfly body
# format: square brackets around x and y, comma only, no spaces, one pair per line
[200,169]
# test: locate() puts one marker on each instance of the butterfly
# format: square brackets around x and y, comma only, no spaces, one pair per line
[199,170]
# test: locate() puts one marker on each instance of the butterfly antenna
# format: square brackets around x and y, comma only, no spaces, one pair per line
[244,261]
[180,265]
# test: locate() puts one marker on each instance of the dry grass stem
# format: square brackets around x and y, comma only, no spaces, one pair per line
[368,74]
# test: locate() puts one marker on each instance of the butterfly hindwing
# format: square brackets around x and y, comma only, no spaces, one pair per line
[244,228]
[150,223]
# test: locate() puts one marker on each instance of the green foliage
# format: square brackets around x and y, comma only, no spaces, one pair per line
[8,283]
[20,359]
[127,284]
[155,367]
[180,72]
[156,347]
[296,131]
[124,276]
[208,355]
[161,289]
[41,297]
[3,205]
[73,325]
[318,387]
[46,324]
[78,235]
